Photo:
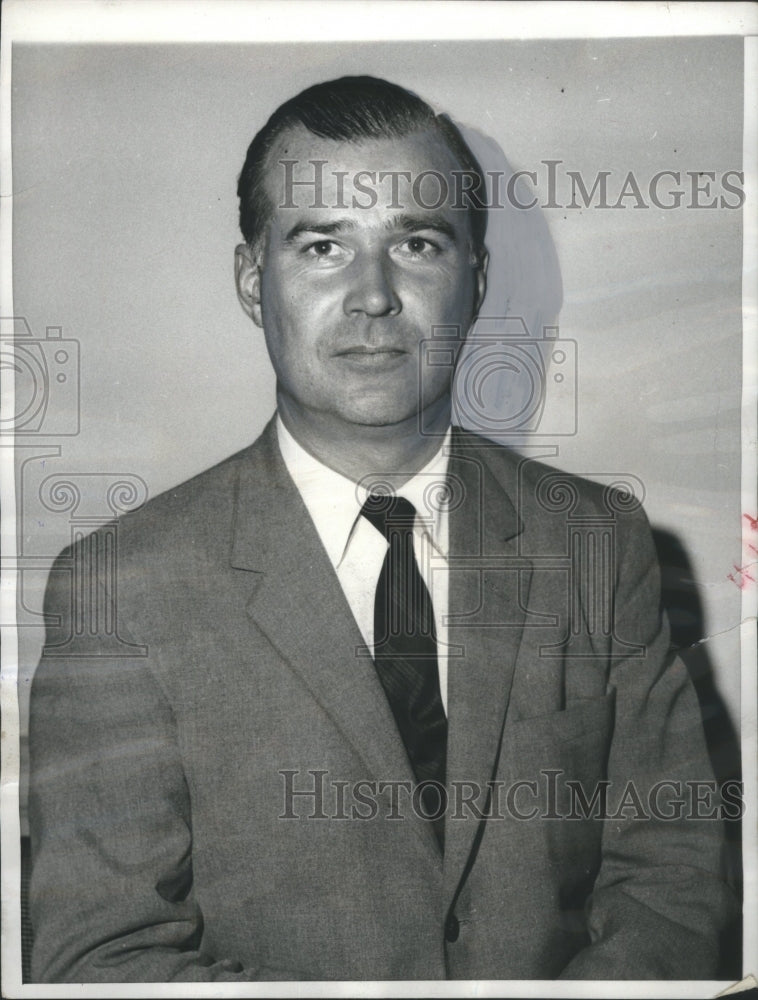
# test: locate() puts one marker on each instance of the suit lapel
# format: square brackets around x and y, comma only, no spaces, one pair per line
[298,604]
[489,584]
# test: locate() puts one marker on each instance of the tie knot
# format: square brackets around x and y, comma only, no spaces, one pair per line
[388,512]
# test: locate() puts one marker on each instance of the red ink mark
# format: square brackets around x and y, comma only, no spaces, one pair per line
[741,577]
[742,573]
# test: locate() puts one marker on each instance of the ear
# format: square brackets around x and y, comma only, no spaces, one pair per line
[247,275]
[481,281]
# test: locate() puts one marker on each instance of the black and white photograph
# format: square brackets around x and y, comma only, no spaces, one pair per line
[380,529]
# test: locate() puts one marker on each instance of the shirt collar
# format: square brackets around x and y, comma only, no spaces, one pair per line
[334,502]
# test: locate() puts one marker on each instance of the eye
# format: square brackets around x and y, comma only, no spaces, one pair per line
[322,248]
[325,253]
[419,246]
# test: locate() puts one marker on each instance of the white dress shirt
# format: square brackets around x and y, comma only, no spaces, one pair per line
[354,546]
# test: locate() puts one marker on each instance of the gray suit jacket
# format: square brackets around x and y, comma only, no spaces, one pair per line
[164,845]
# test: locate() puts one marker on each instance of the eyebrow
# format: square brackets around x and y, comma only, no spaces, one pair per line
[404,222]
[418,223]
[319,228]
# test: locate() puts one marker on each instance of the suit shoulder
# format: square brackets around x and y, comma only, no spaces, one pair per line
[195,494]
[188,513]
[181,516]
[524,477]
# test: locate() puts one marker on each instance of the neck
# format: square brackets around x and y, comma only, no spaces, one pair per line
[359,450]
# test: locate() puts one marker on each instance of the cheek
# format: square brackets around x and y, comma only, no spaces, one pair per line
[284,308]
[295,296]
[448,294]
[462,285]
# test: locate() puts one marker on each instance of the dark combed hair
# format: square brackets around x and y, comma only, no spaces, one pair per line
[351,109]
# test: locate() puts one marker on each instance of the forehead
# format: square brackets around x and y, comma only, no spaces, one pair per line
[369,177]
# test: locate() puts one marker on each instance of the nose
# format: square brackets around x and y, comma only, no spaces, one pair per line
[372,290]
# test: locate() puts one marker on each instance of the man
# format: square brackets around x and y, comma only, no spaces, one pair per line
[380,703]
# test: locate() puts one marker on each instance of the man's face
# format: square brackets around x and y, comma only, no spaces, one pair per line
[346,293]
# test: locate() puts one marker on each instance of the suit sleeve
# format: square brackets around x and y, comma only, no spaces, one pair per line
[111,895]
[659,902]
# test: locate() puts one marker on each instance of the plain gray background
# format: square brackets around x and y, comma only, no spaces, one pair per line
[125,161]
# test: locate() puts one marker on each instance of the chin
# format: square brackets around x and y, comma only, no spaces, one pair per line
[368,412]
[379,420]
[379,416]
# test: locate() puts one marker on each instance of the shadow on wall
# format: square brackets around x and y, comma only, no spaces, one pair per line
[514,373]
[681,599]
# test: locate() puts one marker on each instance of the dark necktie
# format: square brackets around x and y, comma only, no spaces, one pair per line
[405,651]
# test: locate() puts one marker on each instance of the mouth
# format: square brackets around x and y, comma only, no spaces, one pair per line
[372,357]
[363,350]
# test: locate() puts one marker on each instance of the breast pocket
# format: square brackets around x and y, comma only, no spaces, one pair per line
[552,786]
[577,737]
[557,762]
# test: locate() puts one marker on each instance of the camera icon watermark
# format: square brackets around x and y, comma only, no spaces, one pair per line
[46,380]
[508,383]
